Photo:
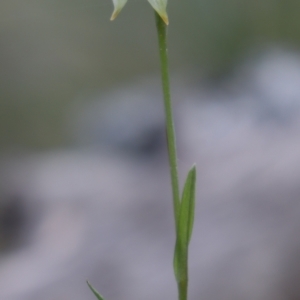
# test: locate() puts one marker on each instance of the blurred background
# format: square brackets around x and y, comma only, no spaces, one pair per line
[52,51]
[74,85]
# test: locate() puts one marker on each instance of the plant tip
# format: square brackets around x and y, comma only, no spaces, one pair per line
[118,6]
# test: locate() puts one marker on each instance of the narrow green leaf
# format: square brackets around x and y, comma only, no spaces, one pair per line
[180,261]
[187,208]
[160,7]
[118,5]
[96,293]
[185,227]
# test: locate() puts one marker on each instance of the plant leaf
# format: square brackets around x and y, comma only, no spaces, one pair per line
[160,7]
[185,227]
[96,293]
[187,208]
[118,5]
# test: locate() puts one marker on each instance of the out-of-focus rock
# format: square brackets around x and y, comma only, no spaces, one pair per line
[127,121]
[104,216]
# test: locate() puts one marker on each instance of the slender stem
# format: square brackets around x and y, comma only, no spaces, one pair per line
[162,40]
[182,290]
[182,283]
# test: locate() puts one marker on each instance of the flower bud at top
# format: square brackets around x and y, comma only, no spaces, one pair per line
[158,5]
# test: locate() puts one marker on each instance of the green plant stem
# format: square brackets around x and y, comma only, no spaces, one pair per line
[182,284]
[183,289]
[162,40]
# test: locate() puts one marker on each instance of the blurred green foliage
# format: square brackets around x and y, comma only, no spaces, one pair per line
[51,50]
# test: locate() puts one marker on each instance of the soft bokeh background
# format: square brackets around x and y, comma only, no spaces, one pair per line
[83,169]
[52,51]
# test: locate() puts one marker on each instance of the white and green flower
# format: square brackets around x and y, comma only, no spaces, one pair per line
[158,5]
